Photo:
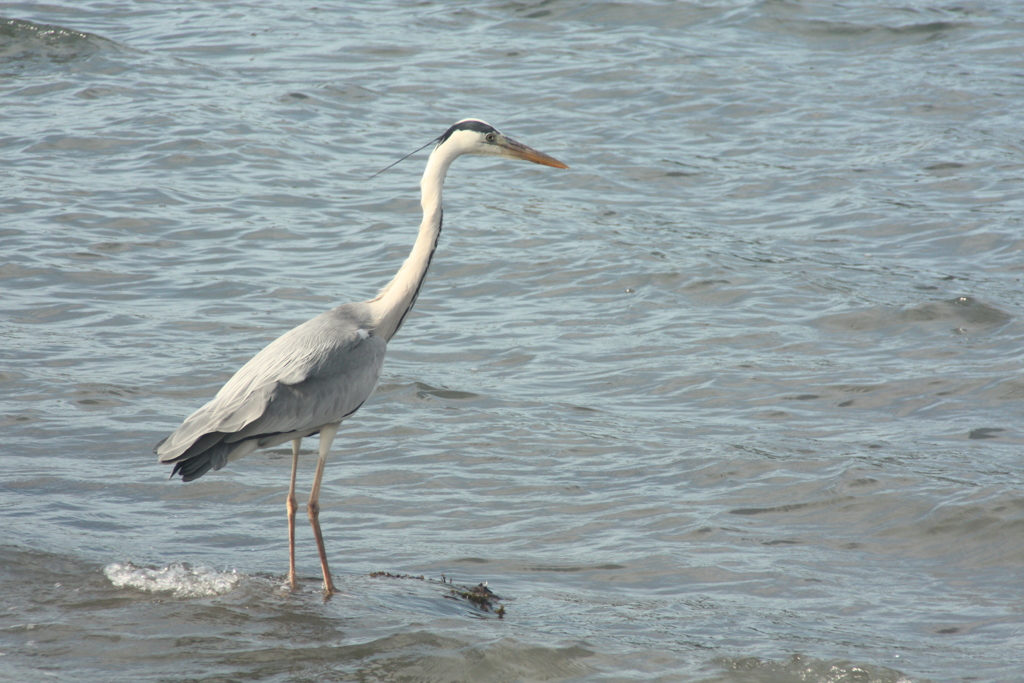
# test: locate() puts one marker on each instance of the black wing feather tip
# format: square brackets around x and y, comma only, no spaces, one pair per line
[195,465]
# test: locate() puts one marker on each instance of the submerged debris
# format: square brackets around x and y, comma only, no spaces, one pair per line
[480,595]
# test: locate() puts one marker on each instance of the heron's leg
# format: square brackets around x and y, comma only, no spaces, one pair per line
[292,506]
[327,433]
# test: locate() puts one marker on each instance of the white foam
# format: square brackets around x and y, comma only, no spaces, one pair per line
[182,580]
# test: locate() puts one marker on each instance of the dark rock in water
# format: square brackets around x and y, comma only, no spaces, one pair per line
[482,597]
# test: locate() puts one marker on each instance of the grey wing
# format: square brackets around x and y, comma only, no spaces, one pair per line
[316,374]
[342,380]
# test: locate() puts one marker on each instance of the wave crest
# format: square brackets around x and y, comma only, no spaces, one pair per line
[183,580]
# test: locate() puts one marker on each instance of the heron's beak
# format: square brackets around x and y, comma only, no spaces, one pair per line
[521,151]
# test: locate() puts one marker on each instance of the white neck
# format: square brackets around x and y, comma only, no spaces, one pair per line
[394,301]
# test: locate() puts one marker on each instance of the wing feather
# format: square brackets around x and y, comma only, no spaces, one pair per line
[316,374]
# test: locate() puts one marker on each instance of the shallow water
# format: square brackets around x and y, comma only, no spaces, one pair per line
[736,398]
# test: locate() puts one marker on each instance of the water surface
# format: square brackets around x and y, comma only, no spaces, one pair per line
[736,398]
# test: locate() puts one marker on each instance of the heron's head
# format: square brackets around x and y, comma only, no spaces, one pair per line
[472,136]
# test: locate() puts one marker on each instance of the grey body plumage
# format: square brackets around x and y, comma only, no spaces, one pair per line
[318,373]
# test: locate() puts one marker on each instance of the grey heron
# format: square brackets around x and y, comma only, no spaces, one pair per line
[316,375]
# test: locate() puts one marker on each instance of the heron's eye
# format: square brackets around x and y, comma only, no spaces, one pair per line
[490,137]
